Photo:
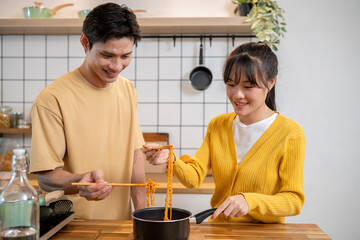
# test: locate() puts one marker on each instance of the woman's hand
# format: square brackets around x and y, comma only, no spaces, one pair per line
[155,156]
[94,192]
[233,206]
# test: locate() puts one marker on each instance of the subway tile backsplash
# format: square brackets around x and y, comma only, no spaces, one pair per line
[160,71]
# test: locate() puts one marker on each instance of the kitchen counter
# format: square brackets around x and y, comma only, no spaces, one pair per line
[207,187]
[117,229]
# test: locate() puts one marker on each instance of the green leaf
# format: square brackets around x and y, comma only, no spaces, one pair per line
[270,31]
[252,14]
[269,25]
[261,10]
[283,29]
[258,29]
[256,24]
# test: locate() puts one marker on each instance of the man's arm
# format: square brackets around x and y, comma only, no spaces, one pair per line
[138,194]
[59,179]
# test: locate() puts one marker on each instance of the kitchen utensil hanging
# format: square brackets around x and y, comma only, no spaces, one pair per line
[201,76]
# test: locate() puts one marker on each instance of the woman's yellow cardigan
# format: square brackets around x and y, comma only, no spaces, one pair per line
[270,176]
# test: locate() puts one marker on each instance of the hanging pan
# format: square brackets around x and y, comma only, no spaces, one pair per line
[201,77]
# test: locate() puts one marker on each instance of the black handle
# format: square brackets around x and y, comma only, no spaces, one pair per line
[200,217]
[201,60]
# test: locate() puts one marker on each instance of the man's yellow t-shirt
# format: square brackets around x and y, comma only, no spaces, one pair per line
[81,128]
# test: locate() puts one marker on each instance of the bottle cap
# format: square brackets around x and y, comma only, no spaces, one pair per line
[19,152]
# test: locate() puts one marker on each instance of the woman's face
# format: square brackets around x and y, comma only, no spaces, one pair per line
[248,100]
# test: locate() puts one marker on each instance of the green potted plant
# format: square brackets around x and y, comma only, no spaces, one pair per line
[267,20]
[243,7]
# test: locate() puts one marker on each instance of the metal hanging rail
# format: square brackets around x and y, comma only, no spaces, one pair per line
[201,36]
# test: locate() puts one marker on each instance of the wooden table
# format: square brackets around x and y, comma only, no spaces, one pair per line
[116,229]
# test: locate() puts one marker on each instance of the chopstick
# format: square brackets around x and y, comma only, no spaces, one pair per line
[112,184]
[158,147]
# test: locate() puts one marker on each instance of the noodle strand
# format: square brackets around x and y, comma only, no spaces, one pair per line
[169,190]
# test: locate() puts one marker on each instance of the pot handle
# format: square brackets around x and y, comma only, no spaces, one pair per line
[57,8]
[200,217]
[201,57]
[139,10]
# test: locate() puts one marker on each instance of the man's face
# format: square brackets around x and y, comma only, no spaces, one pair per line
[106,60]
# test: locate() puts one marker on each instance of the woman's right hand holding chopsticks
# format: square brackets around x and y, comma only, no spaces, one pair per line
[155,154]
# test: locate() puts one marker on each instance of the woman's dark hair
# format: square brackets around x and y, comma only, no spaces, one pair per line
[258,62]
[110,20]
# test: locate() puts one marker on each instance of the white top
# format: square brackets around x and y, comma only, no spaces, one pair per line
[245,136]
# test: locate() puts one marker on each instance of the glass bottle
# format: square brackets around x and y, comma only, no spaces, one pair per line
[19,205]
[5,117]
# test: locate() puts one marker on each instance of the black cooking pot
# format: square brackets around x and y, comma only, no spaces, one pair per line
[149,224]
[201,77]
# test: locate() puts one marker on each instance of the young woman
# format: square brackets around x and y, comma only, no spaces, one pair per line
[256,154]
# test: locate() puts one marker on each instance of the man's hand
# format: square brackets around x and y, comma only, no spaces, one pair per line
[94,192]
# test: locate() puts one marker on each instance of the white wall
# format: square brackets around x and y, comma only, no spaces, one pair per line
[317,86]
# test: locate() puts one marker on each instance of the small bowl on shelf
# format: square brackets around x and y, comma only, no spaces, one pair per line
[84,13]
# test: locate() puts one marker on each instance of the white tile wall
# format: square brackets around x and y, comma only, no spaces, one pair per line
[169,114]
[192,114]
[216,92]
[75,47]
[190,47]
[32,89]
[215,65]
[174,135]
[147,48]
[13,46]
[13,68]
[147,68]
[129,71]
[217,48]
[57,46]
[75,62]
[55,67]
[167,48]
[189,94]
[212,110]
[169,91]
[159,70]
[13,91]
[35,46]
[148,114]
[191,137]
[169,68]
[147,91]
[35,68]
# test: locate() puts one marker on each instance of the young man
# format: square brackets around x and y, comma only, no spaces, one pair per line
[85,125]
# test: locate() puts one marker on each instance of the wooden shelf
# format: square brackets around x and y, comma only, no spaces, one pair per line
[201,25]
[15,130]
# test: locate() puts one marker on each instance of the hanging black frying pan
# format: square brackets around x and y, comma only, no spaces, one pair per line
[201,77]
